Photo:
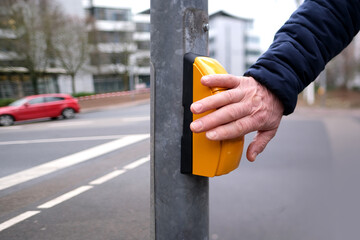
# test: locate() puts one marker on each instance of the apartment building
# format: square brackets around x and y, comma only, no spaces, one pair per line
[120,48]
[142,55]
[119,55]
[232,42]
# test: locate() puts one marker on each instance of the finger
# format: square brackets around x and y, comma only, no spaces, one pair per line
[221,80]
[222,116]
[259,143]
[217,101]
[233,129]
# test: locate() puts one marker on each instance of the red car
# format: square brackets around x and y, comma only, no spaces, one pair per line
[39,106]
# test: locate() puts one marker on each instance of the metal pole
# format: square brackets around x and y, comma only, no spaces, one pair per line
[179,203]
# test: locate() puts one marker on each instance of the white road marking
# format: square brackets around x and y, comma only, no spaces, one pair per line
[137,163]
[17,219]
[73,193]
[107,177]
[54,140]
[135,119]
[64,162]
[12,127]
[69,124]
[74,123]
[116,173]
[65,197]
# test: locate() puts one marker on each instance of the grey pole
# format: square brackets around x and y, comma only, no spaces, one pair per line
[179,203]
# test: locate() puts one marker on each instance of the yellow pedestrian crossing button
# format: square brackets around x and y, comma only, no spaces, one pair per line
[199,155]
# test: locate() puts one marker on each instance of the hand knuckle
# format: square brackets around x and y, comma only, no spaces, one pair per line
[234,112]
[240,126]
[230,96]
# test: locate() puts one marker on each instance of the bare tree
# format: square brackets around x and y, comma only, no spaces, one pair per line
[119,46]
[110,53]
[111,50]
[349,64]
[30,44]
[121,61]
[344,67]
[31,23]
[70,44]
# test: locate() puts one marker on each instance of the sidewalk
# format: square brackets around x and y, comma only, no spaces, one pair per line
[111,100]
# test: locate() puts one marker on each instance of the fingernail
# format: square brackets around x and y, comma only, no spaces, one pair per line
[196,107]
[196,126]
[204,79]
[211,134]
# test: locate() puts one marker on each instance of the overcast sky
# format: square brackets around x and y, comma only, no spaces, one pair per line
[269,15]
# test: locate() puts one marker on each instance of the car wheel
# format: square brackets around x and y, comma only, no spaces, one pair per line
[6,120]
[68,113]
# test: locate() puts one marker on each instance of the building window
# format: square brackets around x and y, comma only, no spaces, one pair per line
[18,85]
[250,25]
[144,79]
[108,83]
[97,59]
[143,27]
[252,39]
[112,14]
[143,45]
[252,52]
[114,37]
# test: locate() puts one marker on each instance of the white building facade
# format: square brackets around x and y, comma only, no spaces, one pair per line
[232,42]
[119,54]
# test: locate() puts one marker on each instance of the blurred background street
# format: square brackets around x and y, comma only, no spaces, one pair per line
[88,177]
[92,203]
[304,186]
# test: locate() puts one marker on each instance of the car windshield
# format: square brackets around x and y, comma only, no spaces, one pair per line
[18,102]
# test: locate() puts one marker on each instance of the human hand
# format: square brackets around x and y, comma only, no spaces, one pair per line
[245,107]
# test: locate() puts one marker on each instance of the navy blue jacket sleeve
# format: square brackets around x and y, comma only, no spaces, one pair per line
[316,32]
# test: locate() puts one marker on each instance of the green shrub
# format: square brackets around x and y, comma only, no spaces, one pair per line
[356,89]
[6,101]
[83,94]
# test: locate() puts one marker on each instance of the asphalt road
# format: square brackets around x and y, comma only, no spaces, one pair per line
[85,178]
[304,186]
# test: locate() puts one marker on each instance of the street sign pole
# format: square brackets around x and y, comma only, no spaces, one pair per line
[179,203]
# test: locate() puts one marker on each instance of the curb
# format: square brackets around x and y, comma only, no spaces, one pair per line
[125,104]
[100,102]
[114,94]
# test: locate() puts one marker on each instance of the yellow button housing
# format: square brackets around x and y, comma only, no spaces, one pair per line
[201,156]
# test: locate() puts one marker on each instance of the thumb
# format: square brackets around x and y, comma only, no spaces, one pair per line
[259,143]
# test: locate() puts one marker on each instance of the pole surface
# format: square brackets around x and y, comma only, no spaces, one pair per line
[179,203]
